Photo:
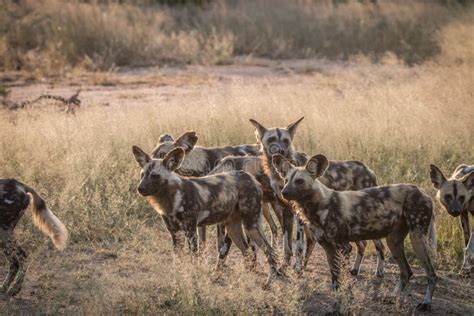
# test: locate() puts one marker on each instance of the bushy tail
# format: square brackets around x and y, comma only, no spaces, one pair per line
[47,222]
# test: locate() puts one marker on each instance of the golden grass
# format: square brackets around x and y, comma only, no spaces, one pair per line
[396,119]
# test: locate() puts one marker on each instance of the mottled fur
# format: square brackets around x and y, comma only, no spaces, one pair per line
[199,161]
[14,200]
[253,165]
[390,212]
[456,196]
[341,175]
[186,203]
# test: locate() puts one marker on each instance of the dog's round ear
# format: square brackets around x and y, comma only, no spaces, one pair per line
[317,165]
[165,138]
[437,177]
[281,165]
[141,157]
[173,159]
[187,141]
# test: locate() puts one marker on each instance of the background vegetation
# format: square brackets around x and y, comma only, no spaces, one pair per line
[398,97]
[52,34]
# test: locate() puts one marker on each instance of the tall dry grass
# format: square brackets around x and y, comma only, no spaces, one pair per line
[48,35]
[396,119]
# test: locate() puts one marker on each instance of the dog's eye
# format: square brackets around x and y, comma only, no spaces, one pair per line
[461,199]
[448,197]
[299,181]
[272,139]
[154,176]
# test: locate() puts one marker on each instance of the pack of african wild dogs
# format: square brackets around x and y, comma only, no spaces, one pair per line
[333,203]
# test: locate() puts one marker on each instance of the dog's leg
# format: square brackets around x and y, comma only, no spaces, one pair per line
[234,230]
[395,242]
[465,227]
[202,237]
[310,243]
[469,255]
[361,245]
[277,209]
[469,243]
[20,257]
[223,244]
[271,223]
[192,238]
[333,261]
[7,243]
[285,216]
[299,245]
[256,234]
[380,248]
[419,243]
[172,231]
[288,220]
[252,245]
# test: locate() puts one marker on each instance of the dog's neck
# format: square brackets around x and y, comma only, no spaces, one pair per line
[167,200]
[315,206]
[267,165]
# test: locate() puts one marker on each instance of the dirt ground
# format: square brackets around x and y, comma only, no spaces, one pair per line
[85,274]
[76,280]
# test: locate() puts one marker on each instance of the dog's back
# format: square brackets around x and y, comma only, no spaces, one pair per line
[250,164]
[13,200]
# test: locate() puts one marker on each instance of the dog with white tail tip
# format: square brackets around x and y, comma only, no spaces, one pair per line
[15,197]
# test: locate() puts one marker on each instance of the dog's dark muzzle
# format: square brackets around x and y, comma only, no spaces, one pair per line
[288,193]
[455,209]
[275,149]
[143,191]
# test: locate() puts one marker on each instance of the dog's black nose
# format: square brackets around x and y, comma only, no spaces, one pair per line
[141,190]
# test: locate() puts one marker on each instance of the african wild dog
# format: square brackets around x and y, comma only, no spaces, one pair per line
[186,203]
[341,176]
[199,161]
[14,200]
[340,217]
[456,196]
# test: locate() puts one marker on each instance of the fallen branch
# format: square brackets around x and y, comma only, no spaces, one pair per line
[71,104]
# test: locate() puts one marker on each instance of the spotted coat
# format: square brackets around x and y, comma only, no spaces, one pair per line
[380,212]
[199,161]
[341,175]
[185,203]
